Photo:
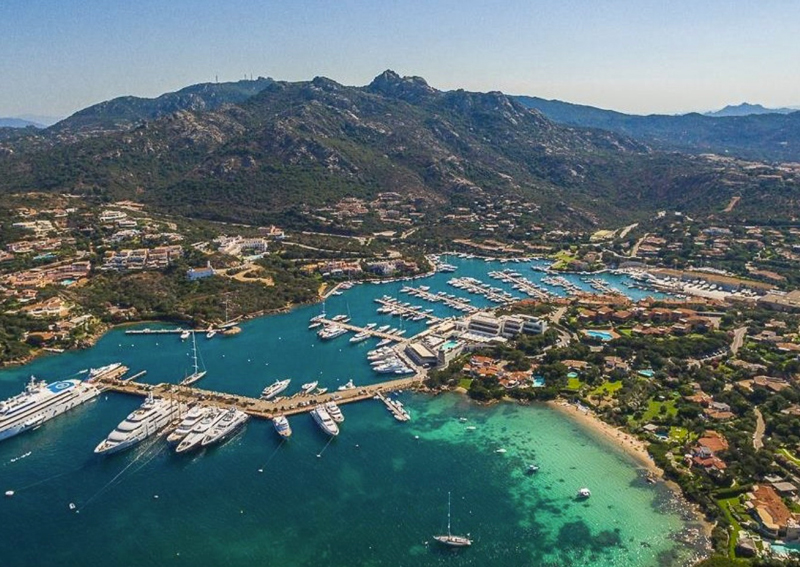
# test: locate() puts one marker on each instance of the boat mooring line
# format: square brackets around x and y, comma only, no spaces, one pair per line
[319,455]
[272,455]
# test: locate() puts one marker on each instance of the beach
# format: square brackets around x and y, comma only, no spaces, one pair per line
[634,447]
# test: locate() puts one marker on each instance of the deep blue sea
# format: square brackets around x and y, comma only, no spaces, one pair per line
[375,496]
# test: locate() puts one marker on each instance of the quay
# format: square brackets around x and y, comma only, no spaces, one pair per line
[458,304]
[476,286]
[401,309]
[356,329]
[257,407]
[523,284]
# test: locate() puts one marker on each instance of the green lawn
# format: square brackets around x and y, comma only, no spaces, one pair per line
[465,383]
[654,409]
[626,332]
[607,388]
[678,434]
[574,384]
[725,505]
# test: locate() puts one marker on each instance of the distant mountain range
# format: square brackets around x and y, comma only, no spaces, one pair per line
[19,123]
[770,137]
[265,151]
[747,109]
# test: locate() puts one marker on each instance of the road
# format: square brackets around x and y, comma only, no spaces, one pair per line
[758,435]
[738,339]
[556,315]
[635,249]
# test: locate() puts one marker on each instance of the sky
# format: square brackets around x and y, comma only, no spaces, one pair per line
[636,56]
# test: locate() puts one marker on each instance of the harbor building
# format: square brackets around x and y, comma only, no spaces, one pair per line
[505,326]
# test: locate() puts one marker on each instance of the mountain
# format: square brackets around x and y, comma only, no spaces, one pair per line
[746,109]
[296,147]
[127,111]
[770,137]
[18,123]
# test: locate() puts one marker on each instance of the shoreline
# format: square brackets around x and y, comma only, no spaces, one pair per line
[632,447]
[627,443]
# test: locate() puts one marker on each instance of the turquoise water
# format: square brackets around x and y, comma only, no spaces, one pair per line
[375,496]
[786,550]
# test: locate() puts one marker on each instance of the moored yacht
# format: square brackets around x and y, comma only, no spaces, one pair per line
[40,402]
[282,426]
[451,540]
[324,420]
[151,417]
[231,420]
[273,390]
[198,432]
[335,412]
[308,387]
[192,418]
[348,386]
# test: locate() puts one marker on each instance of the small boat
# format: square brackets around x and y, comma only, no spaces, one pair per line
[211,333]
[282,426]
[501,451]
[532,469]
[321,391]
[315,324]
[583,494]
[451,540]
[185,335]
[471,428]
[307,387]
[348,386]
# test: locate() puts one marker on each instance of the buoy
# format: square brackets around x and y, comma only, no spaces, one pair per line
[9,493]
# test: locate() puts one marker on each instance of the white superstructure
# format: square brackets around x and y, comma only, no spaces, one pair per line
[192,418]
[232,420]
[40,402]
[325,421]
[150,418]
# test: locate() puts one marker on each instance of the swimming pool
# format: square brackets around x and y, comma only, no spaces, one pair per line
[646,373]
[602,335]
[538,382]
[786,549]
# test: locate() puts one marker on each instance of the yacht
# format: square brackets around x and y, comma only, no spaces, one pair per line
[273,390]
[383,328]
[451,540]
[282,426]
[334,411]
[325,421]
[185,335]
[308,387]
[211,333]
[348,386]
[583,494]
[197,374]
[40,402]
[331,332]
[315,325]
[231,420]
[195,415]
[320,391]
[198,432]
[360,337]
[151,417]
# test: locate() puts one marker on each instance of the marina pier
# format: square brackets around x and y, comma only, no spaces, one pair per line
[357,329]
[257,407]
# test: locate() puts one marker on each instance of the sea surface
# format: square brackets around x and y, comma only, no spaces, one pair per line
[373,496]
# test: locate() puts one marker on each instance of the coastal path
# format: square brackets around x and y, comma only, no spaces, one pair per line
[758,434]
[738,339]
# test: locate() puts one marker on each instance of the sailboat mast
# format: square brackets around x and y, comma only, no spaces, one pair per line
[194,351]
[448,514]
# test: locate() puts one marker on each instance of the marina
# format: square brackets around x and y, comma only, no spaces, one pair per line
[218,489]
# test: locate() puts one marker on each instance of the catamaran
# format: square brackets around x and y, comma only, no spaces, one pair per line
[450,539]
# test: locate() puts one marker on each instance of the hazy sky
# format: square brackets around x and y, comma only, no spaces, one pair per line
[641,56]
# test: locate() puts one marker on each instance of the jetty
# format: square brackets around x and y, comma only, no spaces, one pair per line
[441,297]
[355,328]
[257,407]
[398,308]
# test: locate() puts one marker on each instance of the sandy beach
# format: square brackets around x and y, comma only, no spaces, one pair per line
[628,443]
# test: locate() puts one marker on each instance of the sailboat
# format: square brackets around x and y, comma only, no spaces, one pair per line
[450,539]
[197,374]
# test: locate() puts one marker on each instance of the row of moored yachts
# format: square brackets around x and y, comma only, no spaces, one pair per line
[201,426]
